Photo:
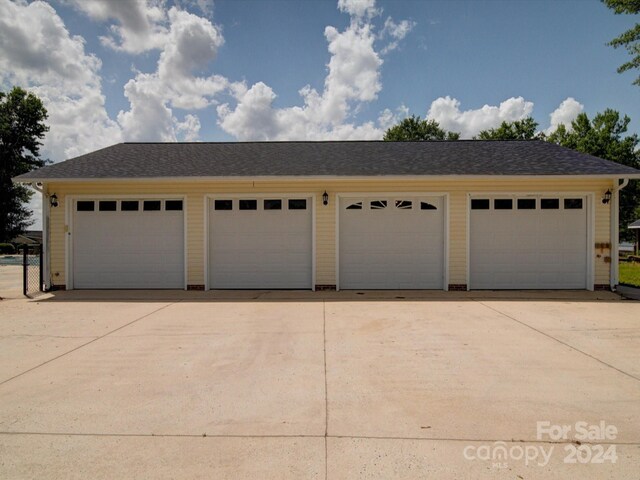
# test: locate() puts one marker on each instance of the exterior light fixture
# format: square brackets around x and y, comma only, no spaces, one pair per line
[53,200]
[606,197]
[325,198]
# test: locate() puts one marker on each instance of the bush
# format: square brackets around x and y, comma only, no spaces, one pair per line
[7,248]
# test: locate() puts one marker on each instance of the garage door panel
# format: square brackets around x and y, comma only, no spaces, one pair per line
[528,249]
[391,248]
[121,249]
[261,248]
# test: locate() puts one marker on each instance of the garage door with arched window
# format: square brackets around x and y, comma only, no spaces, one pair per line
[391,242]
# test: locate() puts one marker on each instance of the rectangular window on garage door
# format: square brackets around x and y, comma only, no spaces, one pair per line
[248,204]
[223,204]
[272,204]
[297,204]
[108,205]
[573,204]
[85,206]
[152,205]
[503,204]
[480,204]
[526,204]
[550,203]
[173,205]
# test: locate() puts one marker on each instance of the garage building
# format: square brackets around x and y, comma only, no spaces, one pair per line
[450,215]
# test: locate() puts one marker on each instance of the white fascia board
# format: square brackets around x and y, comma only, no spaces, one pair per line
[327,178]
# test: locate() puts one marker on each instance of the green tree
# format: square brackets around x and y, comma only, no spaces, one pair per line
[22,117]
[518,130]
[629,39]
[413,129]
[604,137]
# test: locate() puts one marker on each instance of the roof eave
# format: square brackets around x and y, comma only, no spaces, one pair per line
[608,176]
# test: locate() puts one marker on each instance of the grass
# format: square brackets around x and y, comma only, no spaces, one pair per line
[630,273]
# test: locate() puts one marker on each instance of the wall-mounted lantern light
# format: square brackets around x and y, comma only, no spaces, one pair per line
[325,198]
[606,198]
[53,200]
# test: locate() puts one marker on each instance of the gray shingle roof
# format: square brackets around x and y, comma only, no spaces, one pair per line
[635,224]
[339,158]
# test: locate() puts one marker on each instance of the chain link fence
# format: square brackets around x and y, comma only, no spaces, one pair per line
[32,281]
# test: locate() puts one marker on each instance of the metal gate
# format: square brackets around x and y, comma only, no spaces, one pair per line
[32,280]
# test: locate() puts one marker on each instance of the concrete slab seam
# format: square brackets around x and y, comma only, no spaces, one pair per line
[344,437]
[326,389]
[561,342]
[87,343]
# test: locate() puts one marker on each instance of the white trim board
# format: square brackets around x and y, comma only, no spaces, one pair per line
[358,178]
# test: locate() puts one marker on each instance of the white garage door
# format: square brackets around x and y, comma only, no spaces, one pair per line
[260,243]
[528,242]
[391,242]
[128,243]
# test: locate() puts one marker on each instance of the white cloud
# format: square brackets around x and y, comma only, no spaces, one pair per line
[189,128]
[205,6]
[353,79]
[192,43]
[141,24]
[446,111]
[149,118]
[36,45]
[79,122]
[359,8]
[566,112]
[35,205]
[397,32]
[40,54]
[388,119]
[253,118]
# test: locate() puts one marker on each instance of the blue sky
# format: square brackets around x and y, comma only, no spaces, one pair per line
[224,70]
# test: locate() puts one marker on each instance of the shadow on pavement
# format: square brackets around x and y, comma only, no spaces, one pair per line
[221,296]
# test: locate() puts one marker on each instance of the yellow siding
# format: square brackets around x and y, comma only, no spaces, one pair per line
[602,235]
[458,237]
[326,215]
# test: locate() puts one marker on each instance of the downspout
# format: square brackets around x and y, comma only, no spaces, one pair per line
[615,231]
[46,209]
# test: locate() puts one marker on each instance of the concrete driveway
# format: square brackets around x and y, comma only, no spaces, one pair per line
[297,385]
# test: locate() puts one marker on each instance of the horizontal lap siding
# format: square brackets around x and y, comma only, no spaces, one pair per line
[325,240]
[602,234]
[195,239]
[458,238]
[57,247]
[326,215]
